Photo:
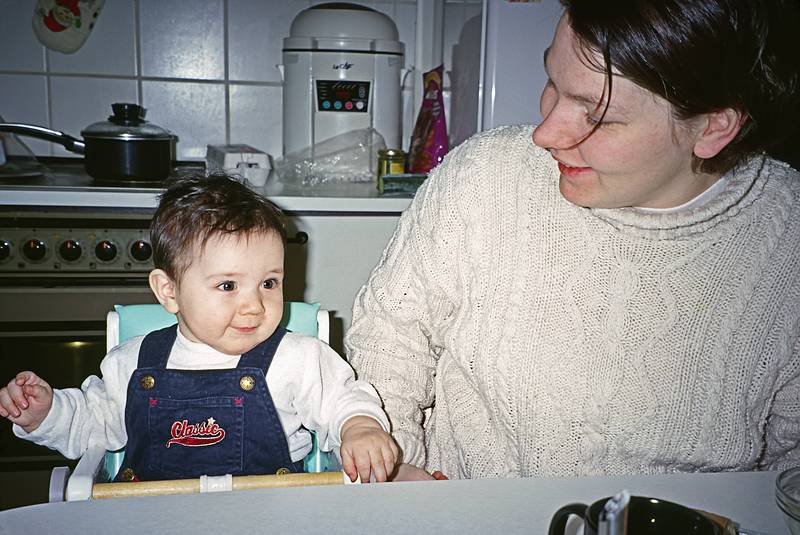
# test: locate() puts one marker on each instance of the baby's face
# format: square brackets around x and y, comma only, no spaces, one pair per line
[231,296]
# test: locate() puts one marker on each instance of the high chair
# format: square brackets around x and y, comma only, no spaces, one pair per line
[98,465]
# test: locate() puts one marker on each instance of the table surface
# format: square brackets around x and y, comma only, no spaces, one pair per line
[463,507]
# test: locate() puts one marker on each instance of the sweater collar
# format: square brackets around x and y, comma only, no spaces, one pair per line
[743,185]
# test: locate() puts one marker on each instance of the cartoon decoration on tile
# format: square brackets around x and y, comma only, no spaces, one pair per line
[64,25]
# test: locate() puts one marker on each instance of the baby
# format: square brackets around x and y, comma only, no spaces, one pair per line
[227,390]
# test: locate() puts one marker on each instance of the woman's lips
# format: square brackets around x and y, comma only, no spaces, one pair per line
[571,171]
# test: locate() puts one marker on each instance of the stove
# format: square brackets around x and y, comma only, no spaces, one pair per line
[90,239]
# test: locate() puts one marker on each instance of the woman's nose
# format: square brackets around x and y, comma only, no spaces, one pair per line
[557,130]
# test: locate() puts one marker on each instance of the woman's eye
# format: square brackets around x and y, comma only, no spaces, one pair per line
[591,120]
[227,286]
[270,284]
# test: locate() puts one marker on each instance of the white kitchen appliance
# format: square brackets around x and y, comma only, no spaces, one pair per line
[341,68]
[515,36]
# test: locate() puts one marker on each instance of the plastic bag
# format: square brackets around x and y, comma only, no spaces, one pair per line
[348,157]
[429,140]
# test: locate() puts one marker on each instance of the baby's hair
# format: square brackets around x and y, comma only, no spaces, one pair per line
[196,207]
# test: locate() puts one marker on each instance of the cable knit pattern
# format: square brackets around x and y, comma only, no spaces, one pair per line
[558,340]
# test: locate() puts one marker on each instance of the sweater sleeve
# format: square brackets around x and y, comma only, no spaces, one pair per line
[394,339]
[782,435]
[93,413]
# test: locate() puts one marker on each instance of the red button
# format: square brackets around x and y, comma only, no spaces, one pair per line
[348,105]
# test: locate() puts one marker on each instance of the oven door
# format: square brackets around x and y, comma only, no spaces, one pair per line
[59,333]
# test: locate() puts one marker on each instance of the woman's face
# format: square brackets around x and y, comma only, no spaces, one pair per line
[639,156]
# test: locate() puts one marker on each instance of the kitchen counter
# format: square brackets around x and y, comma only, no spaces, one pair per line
[459,507]
[356,197]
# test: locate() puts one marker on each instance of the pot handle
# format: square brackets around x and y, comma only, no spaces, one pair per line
[70,143]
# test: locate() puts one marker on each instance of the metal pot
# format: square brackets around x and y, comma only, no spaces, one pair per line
[126,148]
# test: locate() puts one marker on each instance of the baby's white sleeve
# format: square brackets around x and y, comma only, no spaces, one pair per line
[329,394]
[93,413]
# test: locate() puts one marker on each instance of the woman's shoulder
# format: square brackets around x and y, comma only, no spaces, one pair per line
[512,143]
[498,158]
[781,185]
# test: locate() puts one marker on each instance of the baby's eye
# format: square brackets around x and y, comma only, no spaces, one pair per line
[227,286]
[270,284]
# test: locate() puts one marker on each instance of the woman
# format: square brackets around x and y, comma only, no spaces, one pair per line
[622,294]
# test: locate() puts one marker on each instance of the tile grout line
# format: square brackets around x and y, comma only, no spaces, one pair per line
[226,66]
[143,78]
[137,42]
[48,94]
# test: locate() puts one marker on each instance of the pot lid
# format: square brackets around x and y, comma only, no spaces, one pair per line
[343,26]
[127,122]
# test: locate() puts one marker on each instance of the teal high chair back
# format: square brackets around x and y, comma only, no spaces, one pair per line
[127,321]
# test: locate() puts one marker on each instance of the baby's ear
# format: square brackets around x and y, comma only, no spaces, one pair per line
[165,290]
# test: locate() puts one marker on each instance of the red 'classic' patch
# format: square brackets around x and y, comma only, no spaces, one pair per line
[200,434]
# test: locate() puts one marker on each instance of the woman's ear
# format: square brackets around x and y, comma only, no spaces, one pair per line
[719,129]
[165,290]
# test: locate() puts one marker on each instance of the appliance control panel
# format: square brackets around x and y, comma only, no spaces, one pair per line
[51,243]
[342,95]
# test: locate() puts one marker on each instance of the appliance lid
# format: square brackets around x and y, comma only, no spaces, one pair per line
[341,26]
[127,122]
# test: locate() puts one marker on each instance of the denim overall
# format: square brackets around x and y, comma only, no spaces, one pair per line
[187,423]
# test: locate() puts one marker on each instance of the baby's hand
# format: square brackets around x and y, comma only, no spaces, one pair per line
[26,400]
[367,448]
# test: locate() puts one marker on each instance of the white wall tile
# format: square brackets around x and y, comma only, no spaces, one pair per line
[20,50]
[255,37]
[195,112]
[23,99]
[182,39]
[109,48]
[79,102]
[256,117]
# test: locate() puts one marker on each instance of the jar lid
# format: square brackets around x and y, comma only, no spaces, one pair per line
[127,122]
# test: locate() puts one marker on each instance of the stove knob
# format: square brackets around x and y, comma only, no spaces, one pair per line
[105,250]
[5,250]
[141,251]
[70,250]
[34,249]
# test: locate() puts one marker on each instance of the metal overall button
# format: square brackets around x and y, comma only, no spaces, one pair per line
[282,471]
[128,474]
[247,383]
[147,382]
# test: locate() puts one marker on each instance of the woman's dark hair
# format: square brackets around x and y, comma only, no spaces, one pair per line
[195,207]
[704,56]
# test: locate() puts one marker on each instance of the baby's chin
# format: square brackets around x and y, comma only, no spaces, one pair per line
[234,349]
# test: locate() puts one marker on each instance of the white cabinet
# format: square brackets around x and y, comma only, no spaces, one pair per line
[330,268]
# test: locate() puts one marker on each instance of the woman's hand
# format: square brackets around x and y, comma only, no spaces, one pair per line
[409,472]
[367,449]
[26,400]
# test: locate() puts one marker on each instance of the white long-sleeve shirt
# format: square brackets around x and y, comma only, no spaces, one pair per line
[555,340]
[311,386]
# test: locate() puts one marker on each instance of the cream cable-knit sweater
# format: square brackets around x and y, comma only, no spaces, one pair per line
[557,340]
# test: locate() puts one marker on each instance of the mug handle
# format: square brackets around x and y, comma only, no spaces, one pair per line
[558,524]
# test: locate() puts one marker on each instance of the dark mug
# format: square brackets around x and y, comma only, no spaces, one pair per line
[646,516]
